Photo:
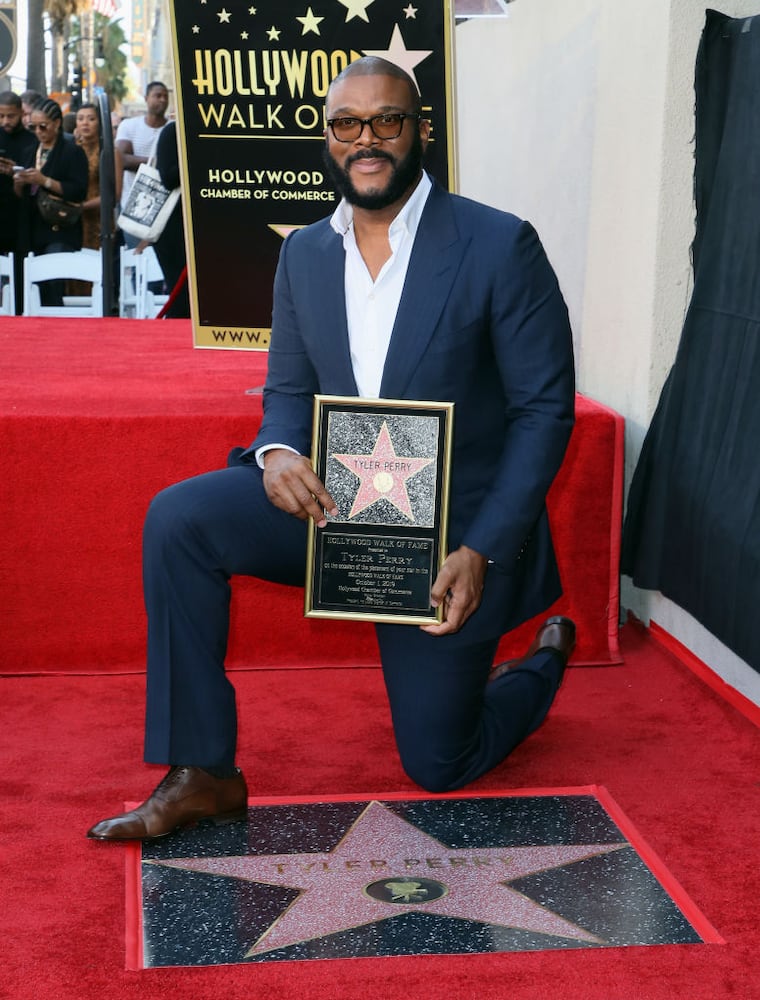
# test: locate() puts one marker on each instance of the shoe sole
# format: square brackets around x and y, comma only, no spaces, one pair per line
[222,819]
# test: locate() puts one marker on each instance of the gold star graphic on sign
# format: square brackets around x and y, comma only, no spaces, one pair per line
[251,10]
[196,29]
[224,16]
[382,475]
[283,230]
[310,22]
[273,34]
[356,8]
[410,12]
[399,54]
[385,866]
[244,35]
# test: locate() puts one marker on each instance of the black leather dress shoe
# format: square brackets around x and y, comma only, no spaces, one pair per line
[557,633]
[185,796]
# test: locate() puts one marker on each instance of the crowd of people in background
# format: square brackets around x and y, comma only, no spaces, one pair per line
[44,152]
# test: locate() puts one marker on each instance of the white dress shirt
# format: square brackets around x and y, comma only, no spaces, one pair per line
[371,306]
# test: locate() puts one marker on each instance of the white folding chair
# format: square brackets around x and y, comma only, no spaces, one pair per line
[7,286]
[138,269]
[149,271]
[129,262]
[83,265]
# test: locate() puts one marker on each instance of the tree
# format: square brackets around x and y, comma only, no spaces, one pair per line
[111,63]
[35,37]
[60,13]
[66,25]
[112,76]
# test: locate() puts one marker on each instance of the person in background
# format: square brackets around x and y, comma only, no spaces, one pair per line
[87,135]
[136,139]
[28,99]
[69,123]
[60,167]
[406,292]
[170,245]
[17,148]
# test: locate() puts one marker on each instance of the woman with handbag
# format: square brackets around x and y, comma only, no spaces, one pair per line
[55,186]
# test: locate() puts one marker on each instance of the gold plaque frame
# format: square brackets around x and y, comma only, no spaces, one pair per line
[386,464]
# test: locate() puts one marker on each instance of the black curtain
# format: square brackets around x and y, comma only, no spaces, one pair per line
[692,528]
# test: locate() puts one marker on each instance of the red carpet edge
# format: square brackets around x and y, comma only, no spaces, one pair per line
[705,673]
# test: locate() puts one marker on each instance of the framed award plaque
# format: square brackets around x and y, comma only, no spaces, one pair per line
[386,464]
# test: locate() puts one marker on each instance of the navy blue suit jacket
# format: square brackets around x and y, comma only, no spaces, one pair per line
[482,324]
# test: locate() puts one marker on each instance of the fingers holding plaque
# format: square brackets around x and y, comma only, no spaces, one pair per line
[386,465]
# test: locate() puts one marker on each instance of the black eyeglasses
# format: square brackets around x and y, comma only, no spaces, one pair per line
[383,126]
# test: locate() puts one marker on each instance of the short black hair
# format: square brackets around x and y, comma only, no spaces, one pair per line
[153,84]
[9,99]
[377,66]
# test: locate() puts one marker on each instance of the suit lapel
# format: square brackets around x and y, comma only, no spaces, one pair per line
[437,252]
[328,277]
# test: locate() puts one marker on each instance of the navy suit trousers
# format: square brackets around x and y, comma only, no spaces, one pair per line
[450,724]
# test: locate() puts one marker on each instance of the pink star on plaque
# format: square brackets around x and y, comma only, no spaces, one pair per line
[382,475]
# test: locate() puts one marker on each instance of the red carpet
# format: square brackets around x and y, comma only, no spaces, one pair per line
[680,762]
[97,416]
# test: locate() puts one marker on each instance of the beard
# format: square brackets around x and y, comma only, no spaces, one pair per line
[405,173]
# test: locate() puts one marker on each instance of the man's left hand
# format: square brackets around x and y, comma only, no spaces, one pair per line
[459,587]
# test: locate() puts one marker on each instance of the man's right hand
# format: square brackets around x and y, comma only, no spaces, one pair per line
[292,485]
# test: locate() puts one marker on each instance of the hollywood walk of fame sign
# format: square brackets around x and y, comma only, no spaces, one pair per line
[251,84]
[386,465]
[407,875]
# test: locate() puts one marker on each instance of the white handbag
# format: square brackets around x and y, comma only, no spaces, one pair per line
[148,206]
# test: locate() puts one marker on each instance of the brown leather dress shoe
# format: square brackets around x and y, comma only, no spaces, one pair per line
[557,633]
[186,795]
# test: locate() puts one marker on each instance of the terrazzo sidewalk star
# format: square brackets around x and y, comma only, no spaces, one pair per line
[406,876]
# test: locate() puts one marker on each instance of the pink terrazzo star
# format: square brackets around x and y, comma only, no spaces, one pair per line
[385,866]
[383,474]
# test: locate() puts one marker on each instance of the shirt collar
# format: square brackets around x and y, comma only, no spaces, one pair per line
[409,217]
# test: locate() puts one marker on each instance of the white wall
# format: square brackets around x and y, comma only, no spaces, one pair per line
[580,117]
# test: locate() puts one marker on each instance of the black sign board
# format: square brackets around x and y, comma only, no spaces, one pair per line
[252,78]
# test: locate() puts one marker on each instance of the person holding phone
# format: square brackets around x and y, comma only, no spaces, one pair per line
[17,148]
[60,167]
